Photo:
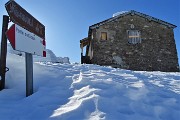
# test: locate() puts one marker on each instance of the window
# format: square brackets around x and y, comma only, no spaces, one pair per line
[103,35]
[134,36]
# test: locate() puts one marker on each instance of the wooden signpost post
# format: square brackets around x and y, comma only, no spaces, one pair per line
[26,35]
[3,51]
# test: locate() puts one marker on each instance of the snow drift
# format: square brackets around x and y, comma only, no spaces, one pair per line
[78,92]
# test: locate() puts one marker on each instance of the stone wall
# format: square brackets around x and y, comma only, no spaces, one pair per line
[156,52]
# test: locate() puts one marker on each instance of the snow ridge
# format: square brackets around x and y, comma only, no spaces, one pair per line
[50,56]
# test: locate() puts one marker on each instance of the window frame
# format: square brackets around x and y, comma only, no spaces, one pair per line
[104,37]
[134,36]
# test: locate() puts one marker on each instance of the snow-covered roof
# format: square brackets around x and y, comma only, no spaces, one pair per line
[119,13]
[132,12]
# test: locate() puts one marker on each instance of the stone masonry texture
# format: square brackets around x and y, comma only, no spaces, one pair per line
[156,52]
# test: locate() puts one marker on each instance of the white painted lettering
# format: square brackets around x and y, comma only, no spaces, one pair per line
[20,15]
[19,31]
[29,36]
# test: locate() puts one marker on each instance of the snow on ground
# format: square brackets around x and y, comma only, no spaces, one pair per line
[90,92]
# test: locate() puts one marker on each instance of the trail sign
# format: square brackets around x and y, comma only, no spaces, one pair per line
[20,16]
[25,41]
[26,35]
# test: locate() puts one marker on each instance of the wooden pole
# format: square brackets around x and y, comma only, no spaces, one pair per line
[29,74]
[3,51]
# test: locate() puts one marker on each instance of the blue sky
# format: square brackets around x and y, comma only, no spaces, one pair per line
[67,21]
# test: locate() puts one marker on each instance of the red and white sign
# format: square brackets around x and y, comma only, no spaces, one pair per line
[25,41]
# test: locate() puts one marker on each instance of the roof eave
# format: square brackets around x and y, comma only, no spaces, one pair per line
[132,12]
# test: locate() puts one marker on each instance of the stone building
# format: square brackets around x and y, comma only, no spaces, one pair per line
[131,40]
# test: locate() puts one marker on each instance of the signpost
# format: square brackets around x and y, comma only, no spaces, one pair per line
[29,74]
[26,35]
[25,41]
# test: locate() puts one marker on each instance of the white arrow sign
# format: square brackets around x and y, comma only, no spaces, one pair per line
[25,41]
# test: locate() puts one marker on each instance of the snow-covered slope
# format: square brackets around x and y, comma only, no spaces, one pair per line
[78,92]
[50,56]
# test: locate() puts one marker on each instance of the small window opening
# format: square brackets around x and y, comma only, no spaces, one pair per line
[103,35]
